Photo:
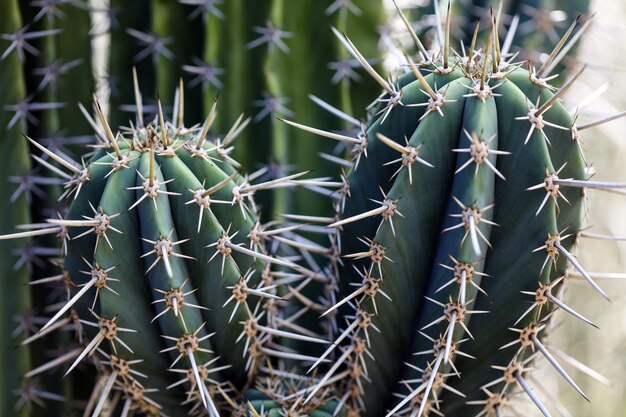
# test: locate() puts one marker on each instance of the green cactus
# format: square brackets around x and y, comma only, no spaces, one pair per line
[14,293]
[163,256]
[466,189]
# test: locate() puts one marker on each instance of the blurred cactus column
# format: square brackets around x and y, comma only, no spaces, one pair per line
[267,57]
[14,291]
[60,74]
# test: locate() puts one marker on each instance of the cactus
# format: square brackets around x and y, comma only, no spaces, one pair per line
[164,263]
[458,221]
[454,233]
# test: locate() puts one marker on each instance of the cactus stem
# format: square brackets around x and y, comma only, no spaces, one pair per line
[524,385]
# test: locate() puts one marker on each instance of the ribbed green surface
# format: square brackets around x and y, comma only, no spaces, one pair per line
[166,216]
[420,246]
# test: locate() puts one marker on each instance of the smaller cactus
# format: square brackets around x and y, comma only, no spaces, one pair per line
[168,280]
